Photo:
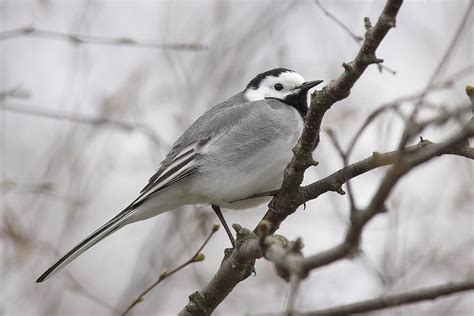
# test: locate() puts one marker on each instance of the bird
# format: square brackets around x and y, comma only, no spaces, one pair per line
[237,149]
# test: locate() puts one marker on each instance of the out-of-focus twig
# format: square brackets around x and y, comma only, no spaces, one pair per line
[403,164]
[78,39]
[394,105]
[395,300]
[11,229]
[15,92]
[196,257]
[462,27]
[345,161]
[357,38]
[25,109]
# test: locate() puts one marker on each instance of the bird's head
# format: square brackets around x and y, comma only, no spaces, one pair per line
[281,84]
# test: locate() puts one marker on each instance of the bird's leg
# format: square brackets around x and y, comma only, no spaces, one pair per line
[218,212]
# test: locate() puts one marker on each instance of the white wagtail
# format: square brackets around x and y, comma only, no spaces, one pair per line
[237,149]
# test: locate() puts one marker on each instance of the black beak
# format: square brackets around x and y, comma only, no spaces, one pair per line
[308,85]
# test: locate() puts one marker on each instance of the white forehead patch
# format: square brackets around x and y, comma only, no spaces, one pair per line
[289,80]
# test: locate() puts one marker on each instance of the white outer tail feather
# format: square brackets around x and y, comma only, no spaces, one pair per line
[104,231]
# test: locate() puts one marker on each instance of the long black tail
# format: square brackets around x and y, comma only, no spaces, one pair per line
[111,226]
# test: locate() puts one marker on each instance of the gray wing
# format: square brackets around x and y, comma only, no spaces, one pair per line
[238,122]
[180,162]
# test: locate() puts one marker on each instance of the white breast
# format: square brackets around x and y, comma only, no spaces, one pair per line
[255,172]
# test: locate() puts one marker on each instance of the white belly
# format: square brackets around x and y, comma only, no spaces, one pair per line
[258,172]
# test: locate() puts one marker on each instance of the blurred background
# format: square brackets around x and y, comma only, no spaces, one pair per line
[83,126]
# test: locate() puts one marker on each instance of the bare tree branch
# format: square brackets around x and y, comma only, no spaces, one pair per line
[407,134]
[25,109]
[284,203]
[235,267]
[395,300]
[334,181]
[196,257]
[359,219]
[77,39]
[358,39]
[238,266]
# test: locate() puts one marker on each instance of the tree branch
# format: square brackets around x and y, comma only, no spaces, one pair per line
[358,220]
[237,266]
[358,39]
[197,257]
[78,39]
[334,181]
[394,300]
[284,203]
[94,121]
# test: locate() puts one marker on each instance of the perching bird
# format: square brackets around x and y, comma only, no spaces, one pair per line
[237,149]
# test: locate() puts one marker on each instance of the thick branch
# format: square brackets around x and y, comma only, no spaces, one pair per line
[359,219]
[393,300]
[334,181]
[284,203]
[236,267]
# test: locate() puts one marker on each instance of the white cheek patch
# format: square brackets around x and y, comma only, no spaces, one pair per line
[266,88]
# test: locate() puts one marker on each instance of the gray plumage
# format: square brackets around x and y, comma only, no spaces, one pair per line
[236,149]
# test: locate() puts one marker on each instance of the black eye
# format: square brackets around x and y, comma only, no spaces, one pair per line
[278,86]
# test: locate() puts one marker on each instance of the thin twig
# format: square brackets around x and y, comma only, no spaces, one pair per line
[407,135]
[94,121]
[402,165]
[393,105]
[345,161]
[197,257]
[357,38]
[395,300]
[75,286]
[78,39]
[295,282]
[334,181]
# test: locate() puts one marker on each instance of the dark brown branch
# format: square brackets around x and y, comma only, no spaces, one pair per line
[284,203]
[197,257]
[395,300]
[237,267]
[334,181]
[402,165]
[78,39]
